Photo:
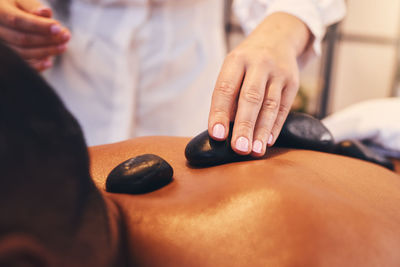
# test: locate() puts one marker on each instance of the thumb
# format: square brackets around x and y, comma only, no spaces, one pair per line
[35,7]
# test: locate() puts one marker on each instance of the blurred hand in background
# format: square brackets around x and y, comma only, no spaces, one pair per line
[27,27]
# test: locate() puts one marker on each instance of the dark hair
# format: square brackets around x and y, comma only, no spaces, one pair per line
[45,186]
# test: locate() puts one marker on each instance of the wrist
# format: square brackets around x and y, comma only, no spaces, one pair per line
[282,29]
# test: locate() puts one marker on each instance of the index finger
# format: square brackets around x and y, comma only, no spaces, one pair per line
[17,19]
[224,98]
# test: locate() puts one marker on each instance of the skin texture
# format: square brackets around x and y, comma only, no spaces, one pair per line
[27,27]
[296,208]
[258,83]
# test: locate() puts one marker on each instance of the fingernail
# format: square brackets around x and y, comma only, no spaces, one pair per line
[271,138]
[257,146]
[55,29]
[218,131]
[242,144]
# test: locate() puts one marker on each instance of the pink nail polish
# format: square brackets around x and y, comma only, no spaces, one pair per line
[218,131]
[242,144]
[55,29]
[271,138]
[257,146]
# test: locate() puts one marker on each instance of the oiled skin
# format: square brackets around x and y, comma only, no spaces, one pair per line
[296,208]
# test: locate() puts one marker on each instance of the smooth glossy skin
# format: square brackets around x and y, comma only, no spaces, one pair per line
[356,149]
[296,208]
[139,175]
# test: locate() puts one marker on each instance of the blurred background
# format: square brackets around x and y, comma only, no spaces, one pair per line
[360,59]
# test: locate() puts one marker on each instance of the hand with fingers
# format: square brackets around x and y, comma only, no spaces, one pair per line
[258,83]
[28,28]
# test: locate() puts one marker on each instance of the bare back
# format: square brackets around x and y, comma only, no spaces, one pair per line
[295,208]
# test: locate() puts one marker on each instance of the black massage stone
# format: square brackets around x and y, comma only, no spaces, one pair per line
[356,149]
[139,175]
[303,131]
[299,131]
[203,151]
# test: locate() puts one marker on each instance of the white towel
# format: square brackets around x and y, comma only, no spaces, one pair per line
[376,121]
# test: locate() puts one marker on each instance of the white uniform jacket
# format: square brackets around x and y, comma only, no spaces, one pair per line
[148,67]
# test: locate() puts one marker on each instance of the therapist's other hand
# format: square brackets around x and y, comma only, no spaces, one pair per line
[257,85]
[27,27]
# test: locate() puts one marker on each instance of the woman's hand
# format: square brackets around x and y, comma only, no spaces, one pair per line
[27,27]
[257,85]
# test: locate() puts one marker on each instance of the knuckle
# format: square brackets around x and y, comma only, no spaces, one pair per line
[270,104]
[246,126]
[235,55]
[287,76]
[252,95]
[225,88]
[282,73]
[284,109]
[265,62]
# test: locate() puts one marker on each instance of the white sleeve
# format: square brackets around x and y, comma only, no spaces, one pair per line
[316,14]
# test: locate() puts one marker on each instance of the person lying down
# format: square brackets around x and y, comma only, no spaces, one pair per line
[295,208]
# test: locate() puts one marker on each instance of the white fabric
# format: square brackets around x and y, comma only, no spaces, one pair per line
[144,67]
[375,120]
[316,14]
[139,67]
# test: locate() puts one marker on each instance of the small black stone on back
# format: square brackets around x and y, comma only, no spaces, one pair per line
[139,175]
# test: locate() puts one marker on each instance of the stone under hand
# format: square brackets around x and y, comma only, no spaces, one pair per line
[300,131]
